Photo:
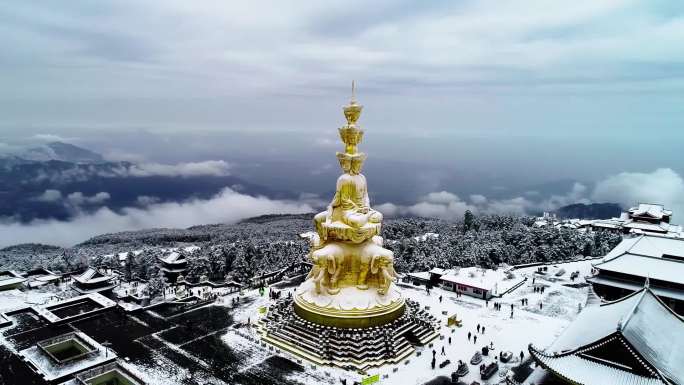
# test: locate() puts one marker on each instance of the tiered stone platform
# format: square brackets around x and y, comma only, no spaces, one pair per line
[357,348]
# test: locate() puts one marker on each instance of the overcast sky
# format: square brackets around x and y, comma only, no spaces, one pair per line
[582,85]
[468,104]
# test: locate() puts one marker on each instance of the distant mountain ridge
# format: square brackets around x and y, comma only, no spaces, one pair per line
[59,151]
[590,211]
[26,174]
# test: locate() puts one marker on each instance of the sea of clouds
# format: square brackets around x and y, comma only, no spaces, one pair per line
[229,206]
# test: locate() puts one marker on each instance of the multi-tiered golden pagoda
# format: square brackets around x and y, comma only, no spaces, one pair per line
[348,312]
[351,283]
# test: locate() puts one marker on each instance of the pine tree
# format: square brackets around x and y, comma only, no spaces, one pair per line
[468,220]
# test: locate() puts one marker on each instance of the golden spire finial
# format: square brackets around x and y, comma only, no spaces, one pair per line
[351,134]
[353,98]
[353,110]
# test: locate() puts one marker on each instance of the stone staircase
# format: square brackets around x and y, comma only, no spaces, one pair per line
[348,348]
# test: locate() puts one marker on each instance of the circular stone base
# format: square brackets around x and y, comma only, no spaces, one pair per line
[350,308]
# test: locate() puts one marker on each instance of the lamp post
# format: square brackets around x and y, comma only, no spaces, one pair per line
[106,344]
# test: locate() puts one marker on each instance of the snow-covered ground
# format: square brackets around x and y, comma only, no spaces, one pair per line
[16,299]
[529,324]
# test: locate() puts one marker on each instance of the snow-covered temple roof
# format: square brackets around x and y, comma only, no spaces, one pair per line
[173,258]
[484,279]
[587,372]
[660,258]
[613,223]
[656,268]
[640,323]
[92,275]
[10,278]
[661,227]
[649,209]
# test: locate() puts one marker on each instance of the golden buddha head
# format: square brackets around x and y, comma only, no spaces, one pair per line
[345,161]
[357,163]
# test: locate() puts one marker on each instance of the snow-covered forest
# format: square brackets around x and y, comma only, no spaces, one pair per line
[262,244]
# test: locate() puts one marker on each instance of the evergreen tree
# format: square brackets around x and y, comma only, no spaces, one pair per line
[468,221]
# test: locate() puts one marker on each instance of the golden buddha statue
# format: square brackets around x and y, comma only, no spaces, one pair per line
[346,250]
[349,215]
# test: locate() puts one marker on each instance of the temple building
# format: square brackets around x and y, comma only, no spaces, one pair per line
[40,277]
[650,218]
[648,212]
[349,312]
[646,218]
[471,281]
[94,280]
[635,340]
[173,264]
[625,269]
[10,279]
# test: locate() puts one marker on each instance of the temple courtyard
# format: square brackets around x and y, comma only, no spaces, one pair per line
[218,343]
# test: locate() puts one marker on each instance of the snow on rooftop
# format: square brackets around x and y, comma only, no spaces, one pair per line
[589,372]
[10,277]
[485,279]
[440,271]
[593,323]
[189,249]
[658,334]
[649,245]
[422,275]
[648,325]
[173,257]
[652,210]
[46,312]
[658,228]
[654,268]
[14,299]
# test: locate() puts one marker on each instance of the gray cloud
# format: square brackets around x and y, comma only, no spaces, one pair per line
[84,172]
[145,200]
[169,48]
[629,188]
[226,207]
[73,199]
[663,186]
[50,195]
[190,169]
[78,199]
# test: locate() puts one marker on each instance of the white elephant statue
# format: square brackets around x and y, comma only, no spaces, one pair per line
[319,273]
[370,251]
[384,267]
[331,258]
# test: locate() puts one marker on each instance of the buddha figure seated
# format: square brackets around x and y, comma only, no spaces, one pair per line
[349,216]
